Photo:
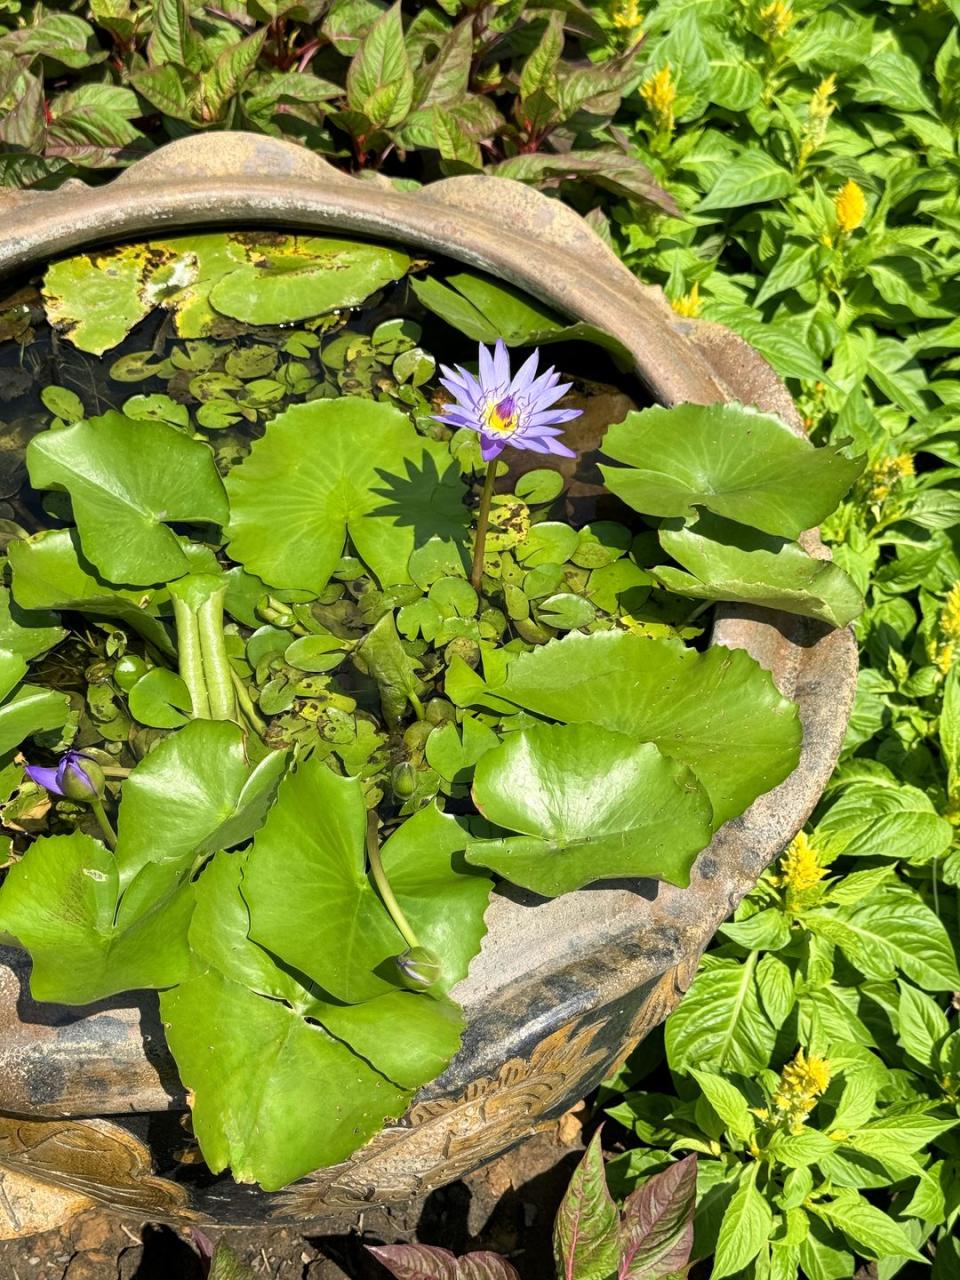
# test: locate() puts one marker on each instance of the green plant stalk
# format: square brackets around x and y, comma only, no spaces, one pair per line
[104,822]
[191,658]
[247,707]
[483,521]
[383,884]
[217,672]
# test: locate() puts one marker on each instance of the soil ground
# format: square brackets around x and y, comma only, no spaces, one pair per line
[508,1206]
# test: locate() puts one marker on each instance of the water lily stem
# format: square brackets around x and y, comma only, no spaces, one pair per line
[383,884]
[247,707]
[483,520]
[104,822]
[217,672]
[191,657]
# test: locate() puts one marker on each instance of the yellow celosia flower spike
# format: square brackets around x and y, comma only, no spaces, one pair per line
[626,16]
[660,94]
[689,304]
[851,206]
[802,1082]
[777,19]
[800,866]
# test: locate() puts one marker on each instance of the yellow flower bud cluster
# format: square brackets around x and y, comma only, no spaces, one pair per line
[800,867]
[660,95]
[776,19]
[942,648]
[851,206]
[625,15]
[884,478]
[802,1083]
[689,304]
[820,110]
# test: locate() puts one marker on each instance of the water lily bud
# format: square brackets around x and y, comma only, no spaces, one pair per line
[415,736]
[404,780]
[465,648]
[417,968]
[128,670]
[82,778]
[438,710]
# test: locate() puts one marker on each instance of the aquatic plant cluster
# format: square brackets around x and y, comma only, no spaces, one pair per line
[302,666]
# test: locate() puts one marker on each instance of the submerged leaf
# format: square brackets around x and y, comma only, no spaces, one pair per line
[592,804]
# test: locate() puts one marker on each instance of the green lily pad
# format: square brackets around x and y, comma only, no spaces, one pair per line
[277,1097]
[312,848]
[26,633]
[49,572]
[592,804]
[727,561]
[60,902]
[454,750]
[194,793]
[566,611]
[332,467]
[30,710]
[733,460]
[126,479]
[306,276]
[315,653]
[160,699]
[718,712]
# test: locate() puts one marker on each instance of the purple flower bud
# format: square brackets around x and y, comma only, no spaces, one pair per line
[77,776]
[417,968]
[506,410]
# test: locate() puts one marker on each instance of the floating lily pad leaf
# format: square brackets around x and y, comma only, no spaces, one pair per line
[443,899]
[219,934]
[592,804]
[125,480]
[407,1036]
[160,699]
[277,1097]
[718,712]
[454,751]
[96,299]
[312,850]
[330,467]
[485,310]
[28,711]
[728,561]
[566,611]
[60,902]
[12,670]
[315,653]
[219,800]
[49,572]
[305,276]
[622,584]
[211,257]
[733,460]
[26,632]
[539,486]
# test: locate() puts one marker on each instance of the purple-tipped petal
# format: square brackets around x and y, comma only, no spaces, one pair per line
[488,373]
[525,376]
[554,446]
[490,448]
[44,778]
[547,417]
[501,363]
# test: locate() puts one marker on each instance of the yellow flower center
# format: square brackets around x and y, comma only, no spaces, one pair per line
[503,417]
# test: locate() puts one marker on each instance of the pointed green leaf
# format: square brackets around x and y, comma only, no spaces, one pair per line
[745,1228]
[380,80]
[585,1233]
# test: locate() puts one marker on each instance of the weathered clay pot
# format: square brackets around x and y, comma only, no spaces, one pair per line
[562,990]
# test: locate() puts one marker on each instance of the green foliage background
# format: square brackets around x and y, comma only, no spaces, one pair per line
[790,171]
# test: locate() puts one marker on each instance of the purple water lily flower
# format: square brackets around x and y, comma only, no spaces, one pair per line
[508,411]
[77,776]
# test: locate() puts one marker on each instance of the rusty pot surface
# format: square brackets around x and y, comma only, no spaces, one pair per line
[562,990]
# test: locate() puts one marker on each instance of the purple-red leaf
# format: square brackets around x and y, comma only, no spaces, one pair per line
[656,1232]
[585,1234]
[425,1262]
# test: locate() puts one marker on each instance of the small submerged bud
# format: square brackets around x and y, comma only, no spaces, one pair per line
[404,780]
[417,968]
